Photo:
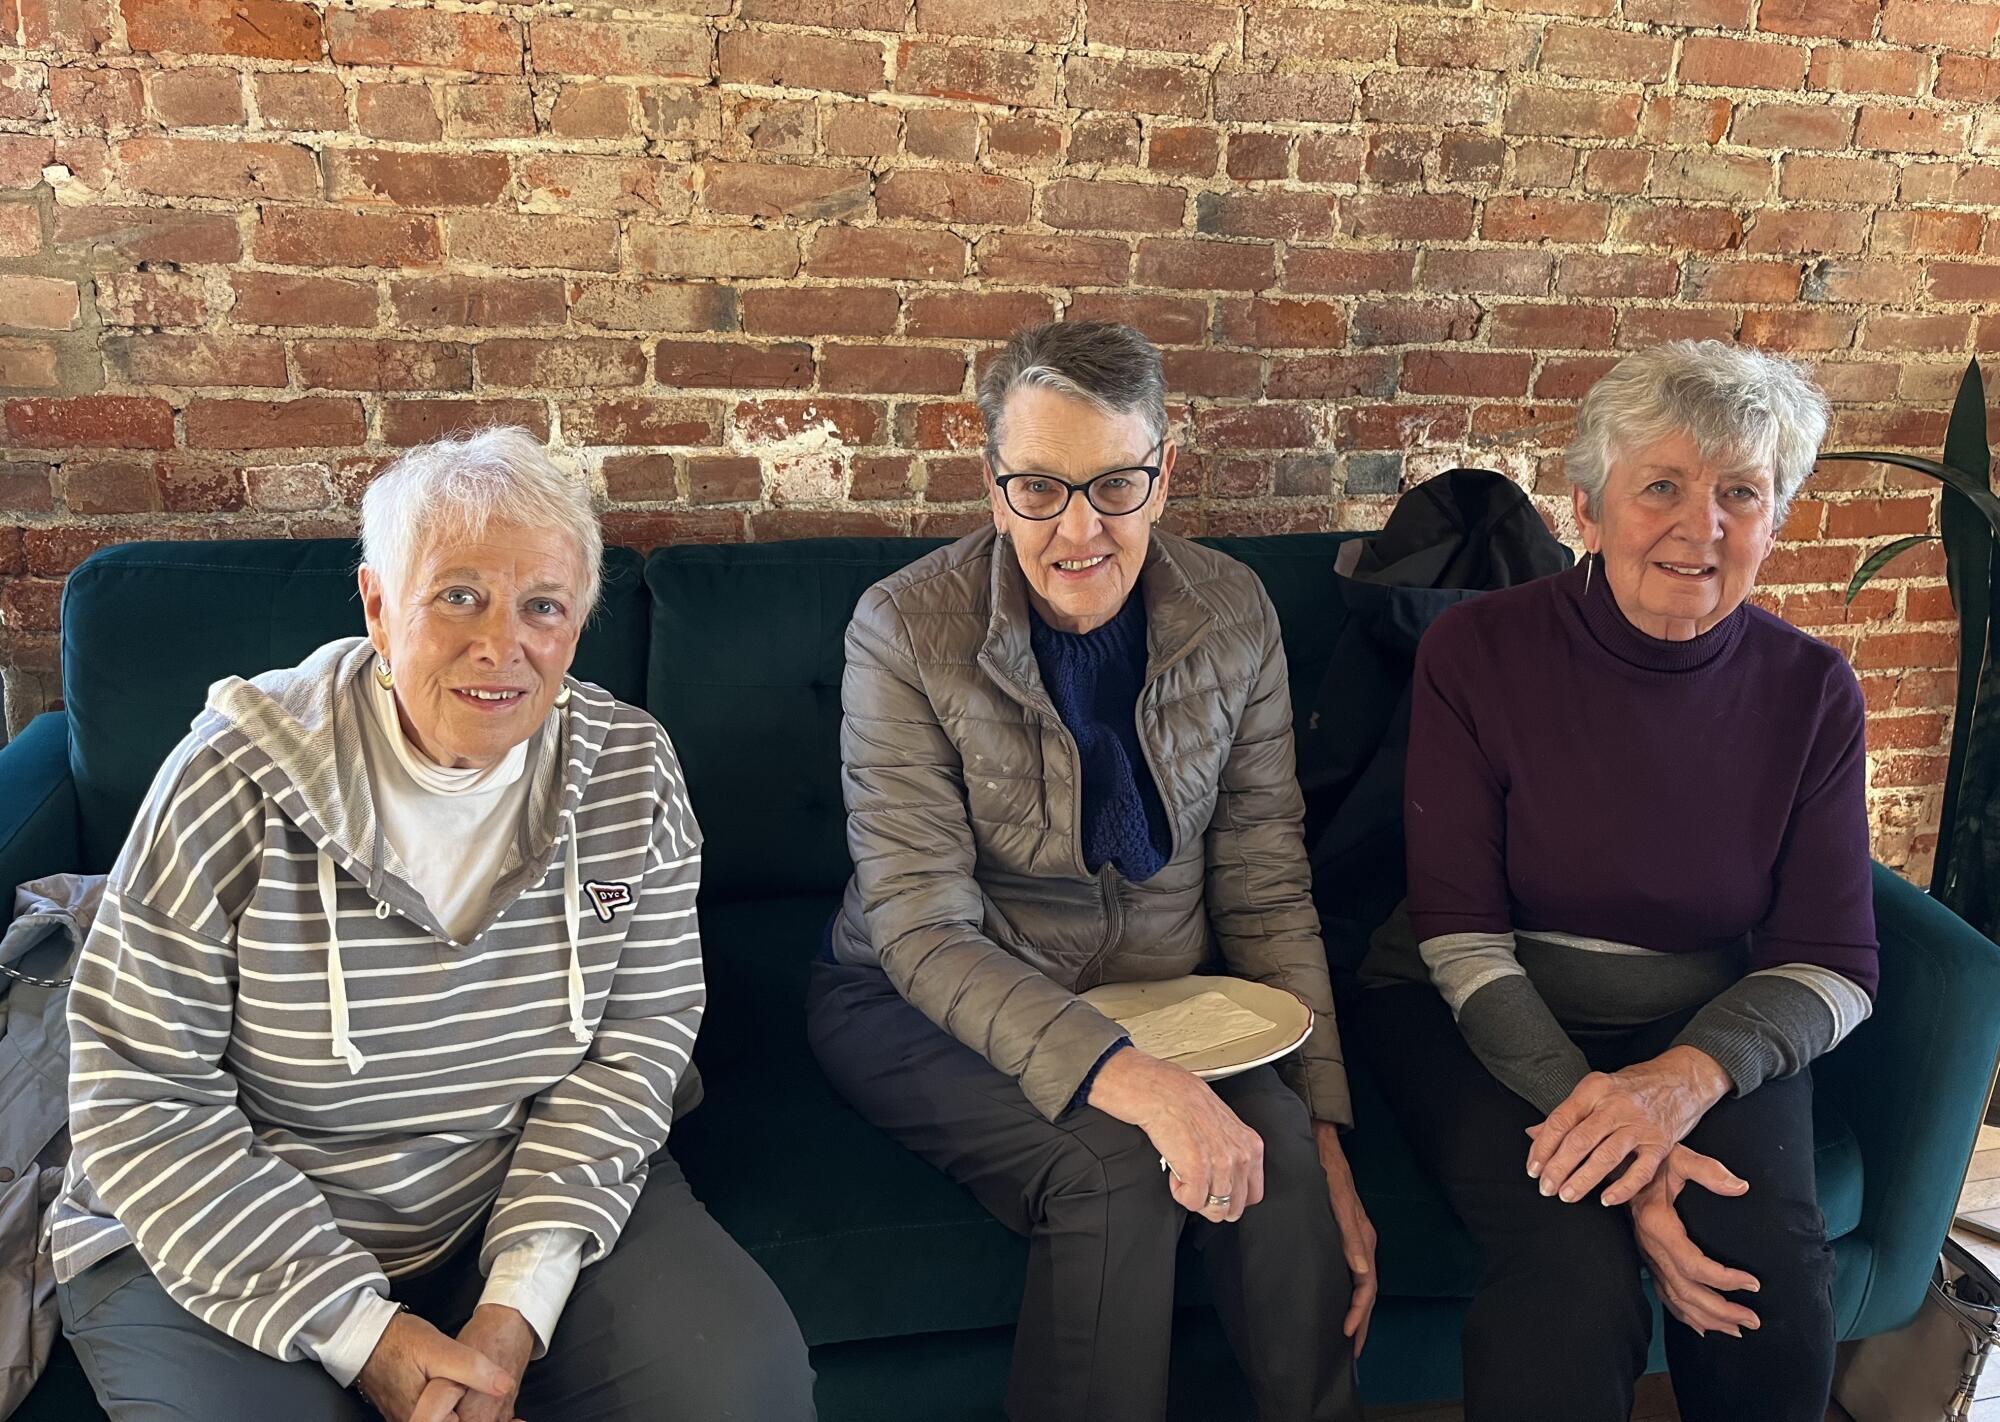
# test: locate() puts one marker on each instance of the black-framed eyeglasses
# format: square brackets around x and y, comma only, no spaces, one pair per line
[1113,493]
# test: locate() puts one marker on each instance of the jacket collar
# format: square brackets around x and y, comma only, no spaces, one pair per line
[1178,615]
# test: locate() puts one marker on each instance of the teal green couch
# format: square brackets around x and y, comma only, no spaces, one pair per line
[905,1289]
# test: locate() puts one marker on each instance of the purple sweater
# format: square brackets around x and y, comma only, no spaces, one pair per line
[1604,829]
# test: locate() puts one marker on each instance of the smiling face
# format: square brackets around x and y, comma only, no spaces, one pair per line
[479,637]
[1682,536]
[1082,565]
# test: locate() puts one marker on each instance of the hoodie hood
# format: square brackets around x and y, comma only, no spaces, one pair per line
[297,733]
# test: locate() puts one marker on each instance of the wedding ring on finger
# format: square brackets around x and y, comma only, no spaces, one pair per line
[1219,1202]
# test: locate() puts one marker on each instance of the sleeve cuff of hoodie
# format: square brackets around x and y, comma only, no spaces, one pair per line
[356,1325]
[534,1276]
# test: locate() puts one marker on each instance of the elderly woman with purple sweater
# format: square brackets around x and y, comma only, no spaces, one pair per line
[1639,904]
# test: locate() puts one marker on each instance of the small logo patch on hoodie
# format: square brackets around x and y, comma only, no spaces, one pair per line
[607,897]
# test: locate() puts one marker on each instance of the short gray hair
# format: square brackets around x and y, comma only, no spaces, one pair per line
[456,487]
[1735,402]
[1106,363]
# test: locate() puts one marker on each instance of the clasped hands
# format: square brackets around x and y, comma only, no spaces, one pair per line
[1215,1163]
[418,1374]
[1640,1115]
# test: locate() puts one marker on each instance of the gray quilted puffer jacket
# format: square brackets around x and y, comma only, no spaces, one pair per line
[963,801]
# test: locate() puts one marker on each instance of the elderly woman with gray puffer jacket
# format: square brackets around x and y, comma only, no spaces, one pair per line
[1068,761]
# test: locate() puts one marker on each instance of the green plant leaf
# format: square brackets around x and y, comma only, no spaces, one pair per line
[1875,561]
[1968,554]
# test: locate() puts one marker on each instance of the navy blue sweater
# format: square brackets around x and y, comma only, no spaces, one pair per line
[1094,679]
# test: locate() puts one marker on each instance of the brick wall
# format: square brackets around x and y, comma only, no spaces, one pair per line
[737,259]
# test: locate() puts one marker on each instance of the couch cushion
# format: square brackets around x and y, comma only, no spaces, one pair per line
[147,627]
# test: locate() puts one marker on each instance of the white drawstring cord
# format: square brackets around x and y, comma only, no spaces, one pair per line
[336,981]
[573,917]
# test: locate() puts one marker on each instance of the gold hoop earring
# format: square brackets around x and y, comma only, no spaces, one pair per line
[562,697]
[385,676]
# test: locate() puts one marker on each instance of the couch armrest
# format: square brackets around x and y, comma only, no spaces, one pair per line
[38,823]
[1912,1081]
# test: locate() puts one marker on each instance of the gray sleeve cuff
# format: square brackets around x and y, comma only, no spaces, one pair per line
[1515,1036]
[1773,1023]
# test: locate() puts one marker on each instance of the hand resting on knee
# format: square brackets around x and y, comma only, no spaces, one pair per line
[1690,1284]
[1215,1163]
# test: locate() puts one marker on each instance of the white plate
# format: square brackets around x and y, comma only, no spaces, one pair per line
[1291,1019]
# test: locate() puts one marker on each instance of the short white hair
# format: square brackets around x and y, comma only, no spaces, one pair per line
[457,487]
[1735,402]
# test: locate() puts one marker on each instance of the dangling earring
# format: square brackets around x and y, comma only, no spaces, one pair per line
[1589,565]
[562,697]
[384,676]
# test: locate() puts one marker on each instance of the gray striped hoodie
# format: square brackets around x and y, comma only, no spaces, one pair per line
[289,1083]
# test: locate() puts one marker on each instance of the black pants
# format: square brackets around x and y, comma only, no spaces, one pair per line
[1087,1190]
[1559,1328]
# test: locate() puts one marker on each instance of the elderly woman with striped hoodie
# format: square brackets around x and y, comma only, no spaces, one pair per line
[389,1008]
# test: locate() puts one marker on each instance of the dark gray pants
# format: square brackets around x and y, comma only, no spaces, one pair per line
[676,1324]
[1088,1192]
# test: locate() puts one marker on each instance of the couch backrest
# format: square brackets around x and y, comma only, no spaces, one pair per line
[147,627]
[745,675]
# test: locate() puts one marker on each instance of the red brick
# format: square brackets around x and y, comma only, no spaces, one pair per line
[508,240]
[1570,377]
[1258,426]
[1643,326]
[213,168]
[1965,281]
[1872,518]
[588,110]
[1403,323]
[1449,42]
[731,365]
[1492,272]
[1616,170]
[1291,216]
[978,316]
[1559,326]
[893,254]
[396,113]
[198,98]
[26,488]
[646,531]
[1335,271]
[1316,36]
[1928,23]
[854,422]
[423,180]
[801,61]
[1711,177]
[1166,320]
[1400,426]
[91,422]
[331,237]
[1710,229]
[1330,158]
[412,422]
[880,476]
[1618,276]
[1053,260]
[967,72]
[1520,219]
[713,251]
[111,487]
[345,364]
[424,38]
[1820,19]
[1435,217]
[1320,96]
[1571,113]
[936,196]
[306,102]
[642,420]
[1798,330]
[1824,230]
[1817,179]
[1545,164]
[1950,234]
[424,303]
[1048,21]
[1019,139]
[1466,373]
[1433,98]
[310,423]
[1081,203]
[1132,86]
[253,29]
[1286,324]
[944,425]
[1810,126]
[654,50]
[646,478]
[98,99]
[197,360]
[1471,157]
[892,370]
[1741,64]
[1183,28]
[1595,52]
[941,133]
[830,14]
[68,26]
[1860,71]
[830,311]
[1896,333]
[30,365]
[654,306]
[1523,426]
[561,363]
[1896,130]
[38,303]
[1253,156]
[1759,282]
[1906,649]
[1206,266]
[1960,77]
[1213,374]
[22,157]
[724,479]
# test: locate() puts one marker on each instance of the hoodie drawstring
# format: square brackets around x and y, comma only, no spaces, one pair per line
[336,981]
[573,918]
